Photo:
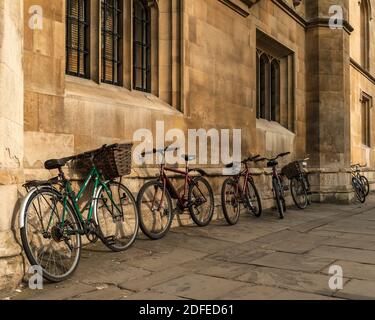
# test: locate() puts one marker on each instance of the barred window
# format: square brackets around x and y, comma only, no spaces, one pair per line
[77,38]
[365,121]
[111,16]
[142,46]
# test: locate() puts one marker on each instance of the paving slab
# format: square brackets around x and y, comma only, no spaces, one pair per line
[250,292]
[339,253]
[295,262]
[110,293]
[358,290]
[152,295]
[242,254]
[293,280]
[219,269]
[351,225]
[164,260]
[154,279]
[355,270]
[198,287]
[292,241]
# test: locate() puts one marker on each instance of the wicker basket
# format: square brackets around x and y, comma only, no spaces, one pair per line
[112,161]
[292,170]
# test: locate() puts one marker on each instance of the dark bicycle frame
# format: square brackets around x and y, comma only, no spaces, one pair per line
[94,175]
[70,198]
[168,185]
[246,174]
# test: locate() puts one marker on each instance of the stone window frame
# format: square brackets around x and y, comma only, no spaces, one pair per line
[167,80]
[365,33]
[95,43]
[82,48]
[285,113]
[366,102]
[113,32]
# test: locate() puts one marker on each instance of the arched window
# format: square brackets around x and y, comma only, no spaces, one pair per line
[275,90]
[365,34]
[142,46]
[77,38]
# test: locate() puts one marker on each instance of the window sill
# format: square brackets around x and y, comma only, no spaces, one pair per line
[89,90]
[272,126]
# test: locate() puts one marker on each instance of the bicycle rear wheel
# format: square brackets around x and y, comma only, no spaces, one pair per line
[230,201]
[278,197]
[116,215]
[299,193]
[201,201]
[155,210]
[50,243]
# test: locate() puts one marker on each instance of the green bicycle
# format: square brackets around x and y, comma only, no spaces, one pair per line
[52,223]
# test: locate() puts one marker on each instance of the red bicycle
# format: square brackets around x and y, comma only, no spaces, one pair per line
[155,198]
[233,194]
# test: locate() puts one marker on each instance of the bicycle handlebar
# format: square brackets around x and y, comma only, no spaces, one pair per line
[284,154]
[154,151]
[249,159]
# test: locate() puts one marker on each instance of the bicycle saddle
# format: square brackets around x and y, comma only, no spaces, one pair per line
[188,158]
[272,163]
[56,163]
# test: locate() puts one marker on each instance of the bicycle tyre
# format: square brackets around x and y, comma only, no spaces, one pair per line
[224,192]
[294,184]
[366,185]
[143,220]
[278,197]
[357,186]
[192,186]
[109,241]
[25,239]
[257,212]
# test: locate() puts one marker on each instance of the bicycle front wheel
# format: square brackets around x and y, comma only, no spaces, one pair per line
[358,189]
[201,201]
[155,210]
[366,185]
[278,197]
[50,238]
[299,193]
[230,201]
[253,201]
[116,215]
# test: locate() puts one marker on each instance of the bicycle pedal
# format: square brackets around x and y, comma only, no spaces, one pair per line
[110,240]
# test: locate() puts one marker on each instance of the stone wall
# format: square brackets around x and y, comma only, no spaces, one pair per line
[11,136]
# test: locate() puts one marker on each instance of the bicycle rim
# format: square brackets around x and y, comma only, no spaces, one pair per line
[54,248]
[116,215]
[155,210]
[299,193]
[201,201]
[230,201]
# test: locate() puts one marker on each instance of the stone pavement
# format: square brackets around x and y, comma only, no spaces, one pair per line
[262,258]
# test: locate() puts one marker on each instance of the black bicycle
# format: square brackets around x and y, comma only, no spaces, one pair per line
[360,183]
[299,182]
[278,187]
